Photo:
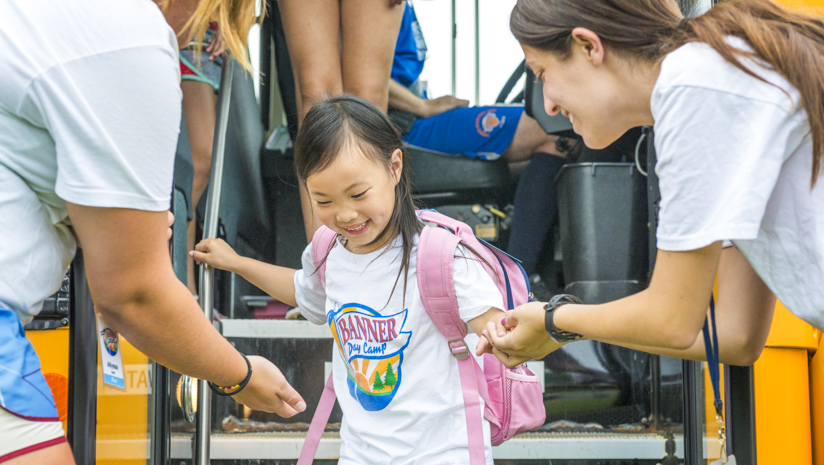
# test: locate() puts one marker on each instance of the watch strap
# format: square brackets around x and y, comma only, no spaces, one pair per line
[556,334]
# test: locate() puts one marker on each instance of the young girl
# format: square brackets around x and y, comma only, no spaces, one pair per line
[398,386]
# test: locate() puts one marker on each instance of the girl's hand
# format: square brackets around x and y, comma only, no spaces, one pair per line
[216,45]
[215,253]
[268,390]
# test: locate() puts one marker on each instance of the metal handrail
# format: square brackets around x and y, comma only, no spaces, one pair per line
[210,225]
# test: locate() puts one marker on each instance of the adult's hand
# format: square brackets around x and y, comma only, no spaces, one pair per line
[522,338]
[216,45]
[268,390]
[442,104]
[170,218]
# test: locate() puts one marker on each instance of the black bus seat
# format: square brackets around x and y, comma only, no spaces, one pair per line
[439,178]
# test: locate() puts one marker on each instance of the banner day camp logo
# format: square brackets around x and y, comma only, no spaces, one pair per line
[372,347]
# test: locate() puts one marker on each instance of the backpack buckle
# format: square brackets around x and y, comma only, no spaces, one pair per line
[459,350]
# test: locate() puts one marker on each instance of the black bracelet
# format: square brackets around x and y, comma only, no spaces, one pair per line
[556,334]
[222,391]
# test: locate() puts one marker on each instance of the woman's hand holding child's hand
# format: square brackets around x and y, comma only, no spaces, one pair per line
[216,253]
[521,336]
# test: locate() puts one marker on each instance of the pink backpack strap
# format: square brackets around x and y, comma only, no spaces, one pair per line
[435,263]
[322,244]
[319,420]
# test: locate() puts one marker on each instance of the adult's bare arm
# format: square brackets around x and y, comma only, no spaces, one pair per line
[134,287]
[667,317]
[403,99]
[744,312]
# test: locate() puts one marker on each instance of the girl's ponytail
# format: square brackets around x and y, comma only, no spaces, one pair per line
[790,42]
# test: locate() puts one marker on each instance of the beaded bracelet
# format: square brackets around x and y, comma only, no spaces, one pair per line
[225,390]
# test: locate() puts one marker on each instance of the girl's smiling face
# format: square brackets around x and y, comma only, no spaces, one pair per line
[355,196]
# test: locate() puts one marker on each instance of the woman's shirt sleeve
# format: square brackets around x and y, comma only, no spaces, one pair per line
[719,157]
[474,288]
[309,291]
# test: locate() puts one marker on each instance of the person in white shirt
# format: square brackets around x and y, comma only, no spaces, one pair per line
[89,119]
[398,385]
[736,99]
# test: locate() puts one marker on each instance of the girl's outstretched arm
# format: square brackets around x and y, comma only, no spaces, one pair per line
[277,281]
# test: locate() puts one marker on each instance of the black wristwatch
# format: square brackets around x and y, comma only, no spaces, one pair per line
[556,334]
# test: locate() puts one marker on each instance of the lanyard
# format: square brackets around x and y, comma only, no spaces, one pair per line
[711,346]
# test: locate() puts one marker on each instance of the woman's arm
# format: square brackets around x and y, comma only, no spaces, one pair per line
[667,317]
[277,281]
[744,312]
[133,286]
[668,314]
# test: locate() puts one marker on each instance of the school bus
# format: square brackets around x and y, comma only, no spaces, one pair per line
[605,405]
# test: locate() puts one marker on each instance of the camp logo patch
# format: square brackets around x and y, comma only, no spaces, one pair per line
[110,337]
[488,120]
[372,347]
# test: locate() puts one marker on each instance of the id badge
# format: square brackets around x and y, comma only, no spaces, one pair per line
[728,461]
[110,358]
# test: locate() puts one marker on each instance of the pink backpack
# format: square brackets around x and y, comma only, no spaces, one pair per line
[513,398]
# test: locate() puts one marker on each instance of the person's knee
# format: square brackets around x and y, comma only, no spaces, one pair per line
[201,162]
[314,88]
[369,89]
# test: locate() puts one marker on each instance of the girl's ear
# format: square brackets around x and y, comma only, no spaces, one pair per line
[396,165]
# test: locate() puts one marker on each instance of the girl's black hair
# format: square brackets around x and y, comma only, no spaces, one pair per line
[347,119]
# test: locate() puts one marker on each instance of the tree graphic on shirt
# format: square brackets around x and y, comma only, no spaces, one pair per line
[389,379]
[377,385]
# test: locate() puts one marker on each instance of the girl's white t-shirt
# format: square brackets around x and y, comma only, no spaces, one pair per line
[395,378]
[89,114]
[735,162]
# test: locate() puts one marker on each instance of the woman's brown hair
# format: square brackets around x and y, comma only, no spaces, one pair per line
[234,18]
[790,42]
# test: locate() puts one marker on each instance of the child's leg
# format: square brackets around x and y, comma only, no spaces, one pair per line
[199,100]
[369,30]
[312,29]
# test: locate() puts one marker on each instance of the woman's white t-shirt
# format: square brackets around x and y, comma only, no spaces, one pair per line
[89,114]
[735,162]
[395,378]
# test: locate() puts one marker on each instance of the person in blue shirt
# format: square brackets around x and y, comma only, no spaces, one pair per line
[448,125]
